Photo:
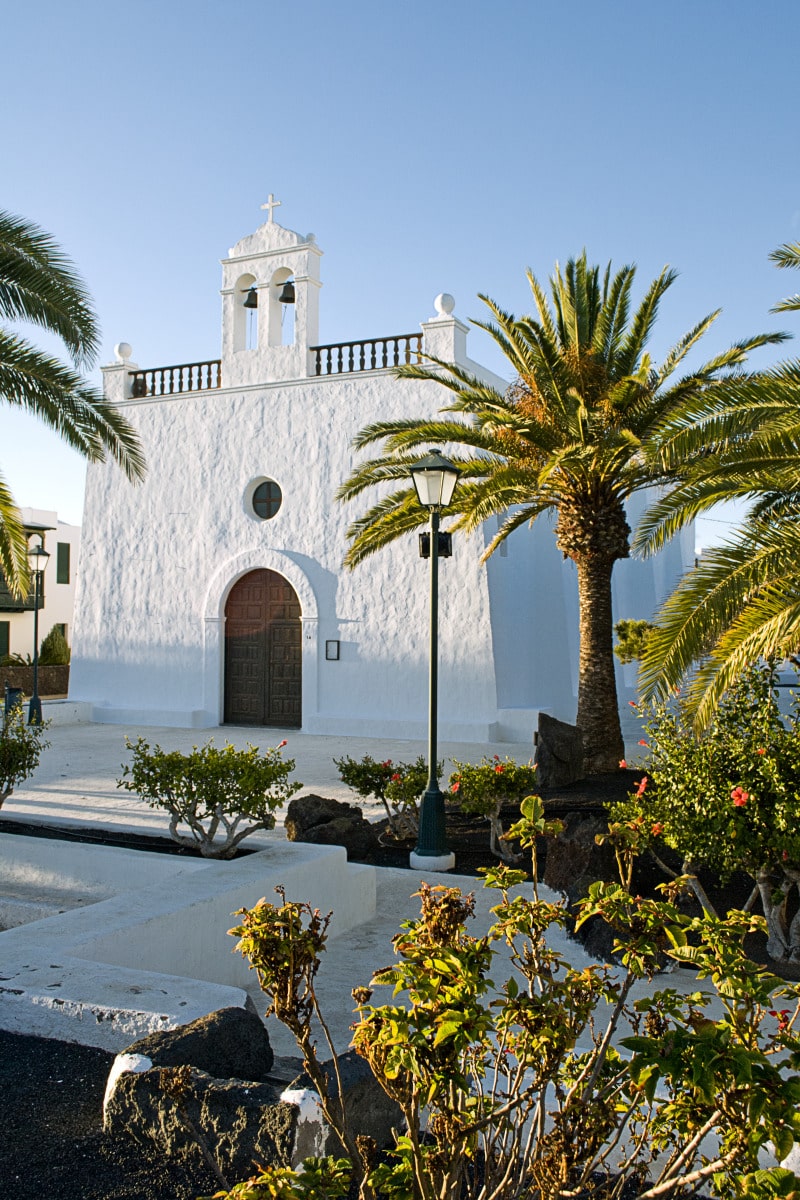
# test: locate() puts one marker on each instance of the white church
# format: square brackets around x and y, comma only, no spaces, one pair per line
[214,593]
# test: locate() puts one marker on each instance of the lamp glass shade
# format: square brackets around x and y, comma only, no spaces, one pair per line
[37,557]
[435,479]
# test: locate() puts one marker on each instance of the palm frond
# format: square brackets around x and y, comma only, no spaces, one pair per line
[58,396]
[38,284]
[13,544]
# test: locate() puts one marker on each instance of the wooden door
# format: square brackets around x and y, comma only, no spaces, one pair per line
[263,668]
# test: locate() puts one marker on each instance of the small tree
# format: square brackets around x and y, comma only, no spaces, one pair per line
[727,799]
[398,786]
[54,651]
[484,788]
[20,747]
[211,790]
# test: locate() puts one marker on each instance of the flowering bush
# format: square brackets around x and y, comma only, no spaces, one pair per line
[398,786]
[483,788]
[728,799]
[211,791]
[521,1090]
[20,747]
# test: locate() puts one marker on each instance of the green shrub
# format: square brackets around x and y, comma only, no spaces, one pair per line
[632,638]
[54,651]
[728,799]
[484,788]
[398,786]
[212,791]
[556,1082]
[20,747]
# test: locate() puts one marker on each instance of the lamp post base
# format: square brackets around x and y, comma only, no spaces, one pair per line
[35,711]
[431,862]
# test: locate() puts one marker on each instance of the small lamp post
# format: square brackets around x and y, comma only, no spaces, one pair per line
[37,561]
[434,479]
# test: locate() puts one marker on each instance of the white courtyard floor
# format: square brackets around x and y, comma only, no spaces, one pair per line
[65,975]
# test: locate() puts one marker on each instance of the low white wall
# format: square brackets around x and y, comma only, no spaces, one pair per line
[84,870]
[159,954]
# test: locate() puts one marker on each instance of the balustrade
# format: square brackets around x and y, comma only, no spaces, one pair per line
[170,381]
[372,354]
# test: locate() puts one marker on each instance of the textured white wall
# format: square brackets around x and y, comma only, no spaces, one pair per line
[159,560]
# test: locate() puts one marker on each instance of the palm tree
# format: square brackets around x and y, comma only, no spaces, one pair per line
[571,435]
[742,600]
[38,285]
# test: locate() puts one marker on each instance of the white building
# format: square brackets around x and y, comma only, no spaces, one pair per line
[57,602]
[214,592]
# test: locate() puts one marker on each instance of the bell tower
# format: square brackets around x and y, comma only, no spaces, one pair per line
[270,304]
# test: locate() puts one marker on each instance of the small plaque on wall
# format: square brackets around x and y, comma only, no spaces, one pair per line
[332,651]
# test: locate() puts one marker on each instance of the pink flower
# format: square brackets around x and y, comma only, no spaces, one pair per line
[739,797]
[622,764]
[656,828]
[642,742]
[641,787]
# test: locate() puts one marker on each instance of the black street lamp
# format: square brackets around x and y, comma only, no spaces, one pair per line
[37,561]
[435,480]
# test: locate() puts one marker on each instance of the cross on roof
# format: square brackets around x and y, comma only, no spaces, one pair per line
[271,203]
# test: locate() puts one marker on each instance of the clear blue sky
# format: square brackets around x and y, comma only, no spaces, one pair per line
[430,147]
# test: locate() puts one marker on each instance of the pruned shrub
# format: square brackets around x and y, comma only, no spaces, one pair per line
[483,788]
[20,747]
[54,651]
[220,795]
[550,1080]
[398,786]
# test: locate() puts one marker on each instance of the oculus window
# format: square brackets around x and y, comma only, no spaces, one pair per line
[266,500]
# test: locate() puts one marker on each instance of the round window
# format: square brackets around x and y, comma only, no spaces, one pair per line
[266,500]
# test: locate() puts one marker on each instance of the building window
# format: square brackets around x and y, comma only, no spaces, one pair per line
[266,500]
[5,638]
[62,562]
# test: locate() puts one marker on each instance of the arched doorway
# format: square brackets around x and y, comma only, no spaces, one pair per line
[263,652]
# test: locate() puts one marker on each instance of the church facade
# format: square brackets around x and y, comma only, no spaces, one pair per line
[214,592]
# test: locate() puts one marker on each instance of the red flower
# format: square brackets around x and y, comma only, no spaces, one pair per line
[396,777]
[622,764]
[497,758]
[388,763]
[782,1018]
[499,768]
[641,787]
[282,744]
[761,750]
[739,797]
[455,787]
[656,828]
[785,855]
[632,704]
[642,742]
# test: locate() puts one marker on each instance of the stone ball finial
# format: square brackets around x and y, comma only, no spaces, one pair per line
[123,351]
[444,304]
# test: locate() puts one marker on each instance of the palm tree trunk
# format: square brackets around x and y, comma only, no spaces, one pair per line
[598,708]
